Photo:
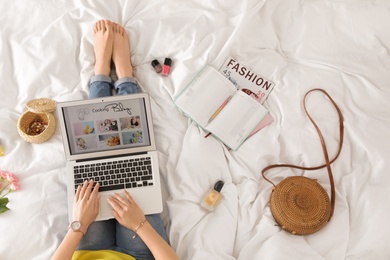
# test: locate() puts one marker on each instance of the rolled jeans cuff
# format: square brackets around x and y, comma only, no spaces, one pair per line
[125,80]
[104,78]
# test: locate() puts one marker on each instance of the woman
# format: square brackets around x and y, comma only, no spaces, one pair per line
[131,235]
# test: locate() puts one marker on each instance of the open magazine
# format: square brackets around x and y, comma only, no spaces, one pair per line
[215,104]
[253,84]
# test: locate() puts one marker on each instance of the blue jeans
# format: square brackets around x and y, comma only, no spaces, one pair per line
[109,234]
[102,86]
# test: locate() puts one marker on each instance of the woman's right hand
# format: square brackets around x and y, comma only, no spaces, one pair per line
[86,203]
[126,210]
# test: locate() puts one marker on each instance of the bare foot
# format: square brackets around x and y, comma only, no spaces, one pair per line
[103,38]
[121,52]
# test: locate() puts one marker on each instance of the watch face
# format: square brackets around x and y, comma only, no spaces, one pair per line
[75,225]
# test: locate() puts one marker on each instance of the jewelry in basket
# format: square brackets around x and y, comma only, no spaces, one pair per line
[37,124]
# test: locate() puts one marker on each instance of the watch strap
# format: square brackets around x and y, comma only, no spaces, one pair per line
[82,228]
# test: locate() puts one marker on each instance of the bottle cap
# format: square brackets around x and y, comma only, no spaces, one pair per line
[168,61]
[155,63]
[218,185]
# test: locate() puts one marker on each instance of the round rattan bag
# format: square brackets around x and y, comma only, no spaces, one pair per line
[300,205]
[37,124]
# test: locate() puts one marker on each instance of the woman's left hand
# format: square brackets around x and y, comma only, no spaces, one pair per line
[126,210]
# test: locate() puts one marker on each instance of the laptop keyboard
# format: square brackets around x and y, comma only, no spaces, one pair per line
[114,175]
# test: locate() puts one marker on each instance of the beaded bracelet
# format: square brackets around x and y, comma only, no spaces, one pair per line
[138,227]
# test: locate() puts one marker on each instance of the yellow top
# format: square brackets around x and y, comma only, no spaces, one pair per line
[100,255]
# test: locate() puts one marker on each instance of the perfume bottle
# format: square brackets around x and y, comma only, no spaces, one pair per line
[213,197]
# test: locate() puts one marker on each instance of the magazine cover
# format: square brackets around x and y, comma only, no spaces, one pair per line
[247,80]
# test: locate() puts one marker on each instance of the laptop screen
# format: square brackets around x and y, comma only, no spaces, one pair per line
[106,125]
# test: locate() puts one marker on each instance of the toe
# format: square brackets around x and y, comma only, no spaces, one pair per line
[116,28]
[101,25]
[108,25]
[119,29]
[96,27]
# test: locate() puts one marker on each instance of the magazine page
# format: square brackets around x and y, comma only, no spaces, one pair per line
[237,120]
[204,95]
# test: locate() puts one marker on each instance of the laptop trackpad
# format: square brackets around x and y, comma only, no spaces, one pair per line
[105,209]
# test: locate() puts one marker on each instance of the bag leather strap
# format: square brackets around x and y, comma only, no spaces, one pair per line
[328,162]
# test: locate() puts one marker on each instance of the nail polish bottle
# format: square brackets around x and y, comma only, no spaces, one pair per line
[167,66]
[213,197]
[157,66]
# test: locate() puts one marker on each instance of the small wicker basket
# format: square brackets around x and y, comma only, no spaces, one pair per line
[37,124]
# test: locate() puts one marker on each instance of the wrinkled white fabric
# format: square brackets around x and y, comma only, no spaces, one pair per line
[46,50]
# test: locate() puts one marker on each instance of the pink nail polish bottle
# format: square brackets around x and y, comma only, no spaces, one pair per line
[167,67]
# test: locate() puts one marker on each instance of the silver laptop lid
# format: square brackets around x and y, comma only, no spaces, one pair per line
[107,126]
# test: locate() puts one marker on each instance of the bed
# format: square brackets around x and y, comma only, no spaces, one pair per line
[340,46]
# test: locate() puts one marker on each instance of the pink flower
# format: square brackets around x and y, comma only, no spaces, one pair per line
[7,179]
[3,174]
[14,186]
[11,177]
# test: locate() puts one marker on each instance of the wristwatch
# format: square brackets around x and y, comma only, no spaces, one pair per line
[76,226]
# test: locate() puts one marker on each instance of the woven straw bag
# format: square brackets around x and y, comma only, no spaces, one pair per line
[39,115]
[300,205]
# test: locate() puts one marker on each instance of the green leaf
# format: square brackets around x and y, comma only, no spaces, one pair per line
[3,209]
[3,201]
[3,205]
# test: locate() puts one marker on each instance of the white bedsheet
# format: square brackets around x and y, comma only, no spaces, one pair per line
[46,50]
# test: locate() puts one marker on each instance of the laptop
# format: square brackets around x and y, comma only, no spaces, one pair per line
[111,140]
